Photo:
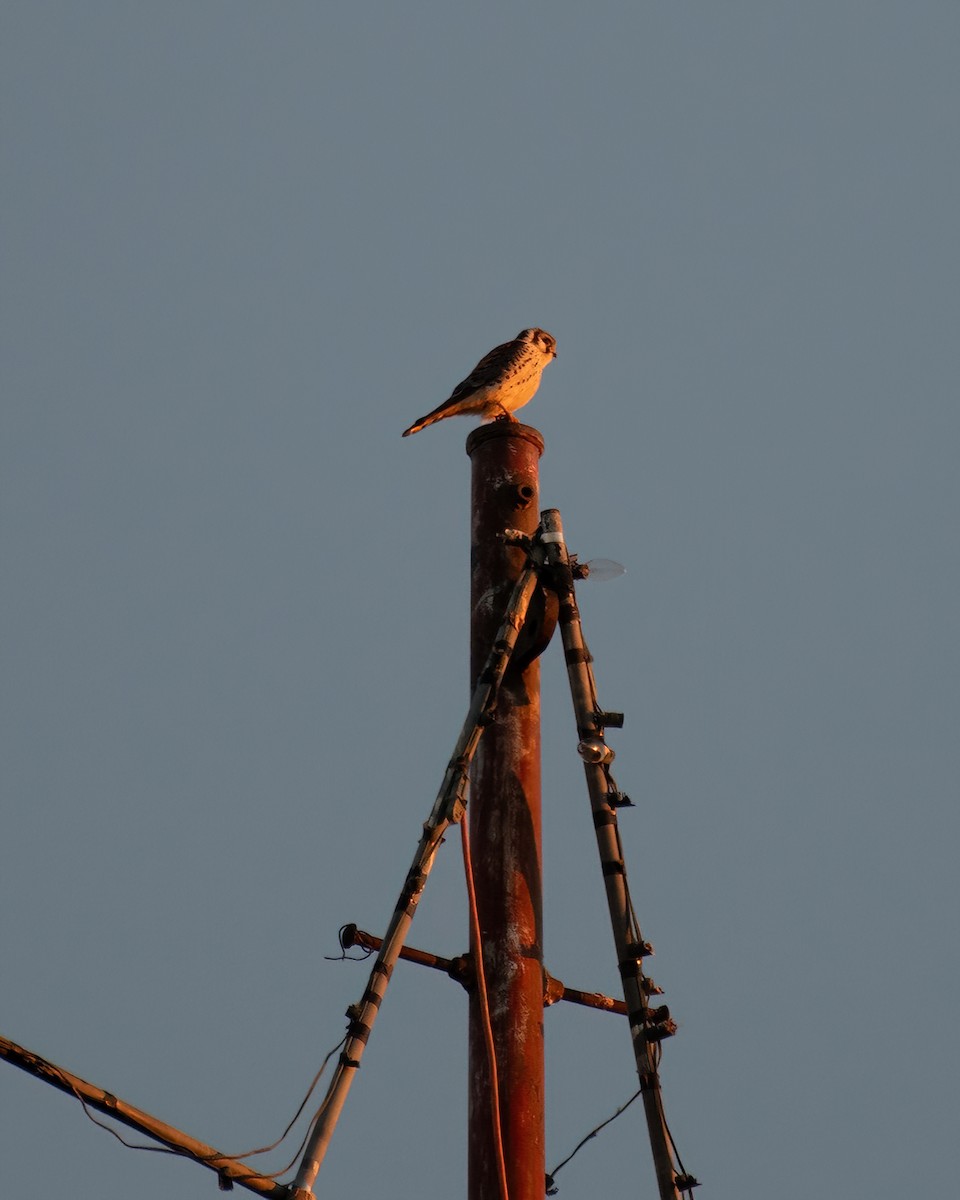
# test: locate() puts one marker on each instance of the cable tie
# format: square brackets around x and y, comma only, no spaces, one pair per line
[614,868]
[358,1031]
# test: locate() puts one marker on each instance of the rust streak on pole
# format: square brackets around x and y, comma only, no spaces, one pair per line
[504,815]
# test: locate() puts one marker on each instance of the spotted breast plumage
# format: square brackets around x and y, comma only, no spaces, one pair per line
[501,382]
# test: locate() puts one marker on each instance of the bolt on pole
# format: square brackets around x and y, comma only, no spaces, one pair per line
[505,826]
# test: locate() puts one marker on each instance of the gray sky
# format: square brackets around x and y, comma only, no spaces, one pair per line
[247,243]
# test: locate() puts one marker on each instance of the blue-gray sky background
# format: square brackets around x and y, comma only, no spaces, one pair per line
[245,244]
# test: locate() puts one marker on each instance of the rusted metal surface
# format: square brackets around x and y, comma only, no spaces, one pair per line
[461,970]
[554,990]
[504,815]
[457,968]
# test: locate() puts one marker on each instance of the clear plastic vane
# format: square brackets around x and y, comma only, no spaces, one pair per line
[599,569]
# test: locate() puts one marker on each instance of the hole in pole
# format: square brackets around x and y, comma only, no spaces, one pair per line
[525,493]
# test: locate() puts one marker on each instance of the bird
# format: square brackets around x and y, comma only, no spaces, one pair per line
[502,381]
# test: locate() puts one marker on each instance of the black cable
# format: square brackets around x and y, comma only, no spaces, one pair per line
[343,956]
[676,1153]
[207,1158]
[552,1189]
[296,1115]
[174,1150]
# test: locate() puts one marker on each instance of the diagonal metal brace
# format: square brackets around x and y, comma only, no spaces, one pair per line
[448,809]
[647,1026]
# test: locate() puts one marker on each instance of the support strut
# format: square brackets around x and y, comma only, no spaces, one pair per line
[647,1026]
[448,809]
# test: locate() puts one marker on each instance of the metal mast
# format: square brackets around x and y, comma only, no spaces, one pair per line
[505,829]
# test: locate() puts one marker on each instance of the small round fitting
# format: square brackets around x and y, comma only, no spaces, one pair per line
[594,750]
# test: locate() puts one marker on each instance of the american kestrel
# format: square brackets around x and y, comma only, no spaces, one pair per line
[502,381]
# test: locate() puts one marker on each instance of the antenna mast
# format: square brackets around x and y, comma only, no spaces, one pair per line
[505,828]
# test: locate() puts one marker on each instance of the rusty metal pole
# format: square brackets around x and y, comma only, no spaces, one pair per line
[504,816]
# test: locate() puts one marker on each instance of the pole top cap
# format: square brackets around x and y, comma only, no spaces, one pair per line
[504,429]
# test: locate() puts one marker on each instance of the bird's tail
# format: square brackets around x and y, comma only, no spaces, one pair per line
[422,423]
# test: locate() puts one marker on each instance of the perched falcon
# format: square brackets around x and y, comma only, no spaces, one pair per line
[500,383]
